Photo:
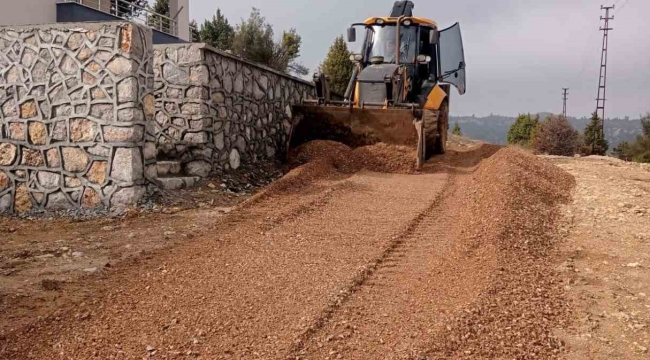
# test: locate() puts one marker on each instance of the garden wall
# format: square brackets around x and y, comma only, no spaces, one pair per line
[215,111]
[75,100]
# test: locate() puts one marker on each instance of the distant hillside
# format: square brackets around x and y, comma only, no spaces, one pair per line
[494,128]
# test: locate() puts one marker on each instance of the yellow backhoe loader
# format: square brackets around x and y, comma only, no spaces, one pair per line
[398,92]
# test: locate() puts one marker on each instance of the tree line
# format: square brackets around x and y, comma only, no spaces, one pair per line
[556,136]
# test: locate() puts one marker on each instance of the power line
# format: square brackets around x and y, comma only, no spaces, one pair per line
[622,5]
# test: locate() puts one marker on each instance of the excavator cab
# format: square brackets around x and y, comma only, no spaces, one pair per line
[398,92]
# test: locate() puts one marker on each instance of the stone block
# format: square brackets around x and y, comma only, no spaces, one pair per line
[5,203]
[234,159]
[99,150]
[17,131]
[60,131]
[194,109]
[151,172]
[165,168]
[131,115]
[22,202]
[149,105]
[177,183]
[196,138]
[201,124]
[4,181]
[189,54]
[197,92]
[37,133]
[199,75]
[97,93]
[58,201]
[127,90]
[75,41]
[82,130]
[68,65]
[49,180]
[150,151]
[102,111]
[97,172]
[31,157]
[174,74]
[121,66]
[115,134]
[127,197]
[28,109]
[74,159]
[91,198]
[9,109]
[128,165]
[198,168]
[218,98]
[52,157]
[219,141]
[72,182]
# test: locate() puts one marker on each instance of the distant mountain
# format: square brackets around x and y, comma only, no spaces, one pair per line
[494,128]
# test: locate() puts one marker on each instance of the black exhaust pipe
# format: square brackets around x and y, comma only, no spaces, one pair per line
[402,8]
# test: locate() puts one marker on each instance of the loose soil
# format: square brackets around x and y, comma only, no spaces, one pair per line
[351,255]
[605,260]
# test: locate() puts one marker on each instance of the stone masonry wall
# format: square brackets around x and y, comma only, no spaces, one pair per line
[215,111]
[75,101]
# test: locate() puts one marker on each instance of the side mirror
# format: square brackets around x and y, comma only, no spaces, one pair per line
[434,36]
[352,34]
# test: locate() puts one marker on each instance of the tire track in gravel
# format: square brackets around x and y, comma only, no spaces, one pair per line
[409,292]
[366,273]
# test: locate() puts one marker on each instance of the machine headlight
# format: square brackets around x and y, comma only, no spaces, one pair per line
[423,59]
[356,57]
[380,21]
[407,23]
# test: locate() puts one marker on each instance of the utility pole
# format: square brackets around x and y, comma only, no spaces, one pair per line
[602,81]
[564,99]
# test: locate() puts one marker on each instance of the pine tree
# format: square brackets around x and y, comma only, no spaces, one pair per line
[338,66]
[645,125]
[457,130]
[521,132]
[160,7]
[624,151]
[217,32]
[594,141]
[195,35]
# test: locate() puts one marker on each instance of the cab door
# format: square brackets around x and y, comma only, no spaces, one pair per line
[452,57]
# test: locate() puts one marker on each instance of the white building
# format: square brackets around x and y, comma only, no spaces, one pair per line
[32,12]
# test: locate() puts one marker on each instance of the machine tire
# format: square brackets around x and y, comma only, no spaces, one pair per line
[443,128]
[430,121]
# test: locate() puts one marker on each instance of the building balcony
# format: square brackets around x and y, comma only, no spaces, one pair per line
[165,28]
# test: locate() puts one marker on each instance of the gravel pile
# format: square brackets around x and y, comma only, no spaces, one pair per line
[323,160]
[511,204]
[386,158]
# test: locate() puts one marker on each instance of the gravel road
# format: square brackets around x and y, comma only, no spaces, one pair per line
[338,262]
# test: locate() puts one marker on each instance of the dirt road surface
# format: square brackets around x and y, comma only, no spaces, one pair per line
[352,255]
[606,258]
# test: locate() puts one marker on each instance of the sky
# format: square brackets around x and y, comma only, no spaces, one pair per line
[519,53]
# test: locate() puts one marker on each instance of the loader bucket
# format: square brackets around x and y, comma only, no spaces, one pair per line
[356,127]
